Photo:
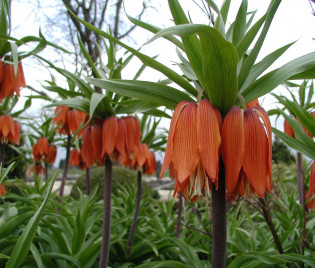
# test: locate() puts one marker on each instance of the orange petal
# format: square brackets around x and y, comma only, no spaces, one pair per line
[264,116]
[121,137]
[74,158]
[7,125]
[131,131]
[51,155]
[256,153]
[137,131]
[109,133]
[21,75]
[232,147]
[42,144]
[209,138]
[288,129]
[87,147]
[253,103]
[2,190]
[7,85]
[15,137]
[185,143]
[97,143]
[169,147]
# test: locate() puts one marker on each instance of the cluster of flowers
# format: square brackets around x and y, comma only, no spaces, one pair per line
[42,151]
[115,138]
[198,139]
[10,81]
[311,192]
[9,130]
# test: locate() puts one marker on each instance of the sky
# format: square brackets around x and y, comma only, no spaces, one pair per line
[293,22]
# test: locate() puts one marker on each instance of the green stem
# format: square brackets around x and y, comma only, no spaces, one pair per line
[136,213]
[300,178]
[106,214]
[65,169]
[179,215]
[46,171]
[219,222]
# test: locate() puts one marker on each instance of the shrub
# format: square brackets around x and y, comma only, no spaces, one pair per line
[121,176]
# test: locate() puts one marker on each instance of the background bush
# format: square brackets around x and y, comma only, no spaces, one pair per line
[121,177]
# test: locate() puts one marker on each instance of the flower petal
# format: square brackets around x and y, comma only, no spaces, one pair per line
[120,141]
[209,139]
[169,147]
[97,143]
[87,148]
[256,154]
[109,134]
[288,129]
[185,143]
[232,147]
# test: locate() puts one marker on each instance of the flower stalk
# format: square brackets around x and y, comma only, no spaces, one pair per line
[136,213]
[179,215]
[88,181]
[65,169]
[107,195]
[219,221]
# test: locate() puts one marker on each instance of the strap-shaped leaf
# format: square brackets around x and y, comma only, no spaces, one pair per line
[240,23]
[75,103]
[157,93]
[261,66]
[250,61]
[25,240]
[191,42]
[144,58]
[219,63]
[100,106]
[274,78]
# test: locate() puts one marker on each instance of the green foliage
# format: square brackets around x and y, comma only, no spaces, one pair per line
[281,153]
[121,177]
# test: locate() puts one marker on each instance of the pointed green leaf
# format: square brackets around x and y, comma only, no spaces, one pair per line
[25,240]
[274,78]
[145,59]
[240,23]
[156,93]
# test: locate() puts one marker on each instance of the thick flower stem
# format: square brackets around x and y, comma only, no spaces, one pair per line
[219,222]
[267,216]
[136,213]
[107,195]
[65,169]
[179,215]
[88,181]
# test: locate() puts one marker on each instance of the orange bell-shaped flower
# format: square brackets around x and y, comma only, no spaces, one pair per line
[92,145]
[253,103]
[1,72]
[2,190]
[310,195]
[192,150]
[76,159]
[42,146]
[10,82]
[288,129]
[50,157]
[37,168]
[247,152]
[9,130]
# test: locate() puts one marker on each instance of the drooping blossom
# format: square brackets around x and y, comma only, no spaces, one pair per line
[37,168]
[92,145]
[2,190]
[192,151]
[50,157]
[43,151]
[253,103]
[246,151]
[142,159]
[9,130]
[76,159]
[310,195]
[69,120]
[289,130]
[9,81]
